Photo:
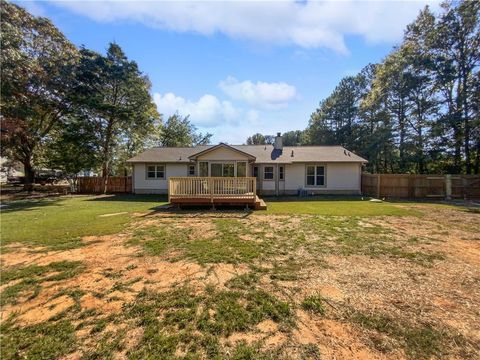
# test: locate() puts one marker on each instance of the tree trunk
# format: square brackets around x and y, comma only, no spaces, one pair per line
[457,157]
[476,168]
[29,175]
[105,176]
[106,153]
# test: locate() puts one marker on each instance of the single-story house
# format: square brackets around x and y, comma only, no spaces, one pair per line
[274,169]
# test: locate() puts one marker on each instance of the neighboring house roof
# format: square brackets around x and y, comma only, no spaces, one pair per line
[261,153]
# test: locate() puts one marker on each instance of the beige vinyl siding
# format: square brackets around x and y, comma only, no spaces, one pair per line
[339,176]
[142,185]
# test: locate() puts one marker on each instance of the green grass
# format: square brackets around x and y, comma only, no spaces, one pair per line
[336,207]
[236,241]
[109,344]
[419,341]
[225,247]
[32,276]
[61,269]
[349,236]
[49,340]
[181,319]
[60,223]
[313,304]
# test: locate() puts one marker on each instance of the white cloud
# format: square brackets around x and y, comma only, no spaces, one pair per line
[207,111]
[259,94]
[309,24]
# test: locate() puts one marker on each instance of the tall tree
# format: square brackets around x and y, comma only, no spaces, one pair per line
[337,121]
[256,139]
[294,138]
[37,63]
[73,149]
[456,47]
[114,96]
[179,131]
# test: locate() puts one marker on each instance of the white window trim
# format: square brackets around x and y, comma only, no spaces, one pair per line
[315,176]
[156,178]
[273,173]
[279,172]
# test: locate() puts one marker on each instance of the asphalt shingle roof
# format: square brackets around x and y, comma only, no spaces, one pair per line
[262,153]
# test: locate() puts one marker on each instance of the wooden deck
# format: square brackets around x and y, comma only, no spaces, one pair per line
[214,191]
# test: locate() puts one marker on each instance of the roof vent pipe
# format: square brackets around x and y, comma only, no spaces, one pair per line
[278,142]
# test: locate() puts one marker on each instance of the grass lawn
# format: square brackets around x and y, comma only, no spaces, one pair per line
[335,207]
[62,222]
[315,278]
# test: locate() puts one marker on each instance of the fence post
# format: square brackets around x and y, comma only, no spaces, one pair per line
[448,187]
[378,185]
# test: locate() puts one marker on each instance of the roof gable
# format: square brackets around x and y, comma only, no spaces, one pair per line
[220,146]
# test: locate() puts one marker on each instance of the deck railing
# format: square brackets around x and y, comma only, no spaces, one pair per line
[212,188]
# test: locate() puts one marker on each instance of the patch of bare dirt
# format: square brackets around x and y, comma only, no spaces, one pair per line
[453,232]
[267,326]
[219,274]
[113,276]
[40,312]
[335,339]
[331,292]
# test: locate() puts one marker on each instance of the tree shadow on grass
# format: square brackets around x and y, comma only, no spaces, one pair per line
[30,204]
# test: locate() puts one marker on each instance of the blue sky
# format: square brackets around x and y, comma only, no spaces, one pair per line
[238,67]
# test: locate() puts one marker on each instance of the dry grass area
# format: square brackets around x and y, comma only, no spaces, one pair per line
[247,286]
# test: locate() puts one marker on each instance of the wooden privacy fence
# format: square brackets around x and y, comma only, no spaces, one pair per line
[414,186]
[95,184]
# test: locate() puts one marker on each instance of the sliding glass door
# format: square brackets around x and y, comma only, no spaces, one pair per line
[222,169]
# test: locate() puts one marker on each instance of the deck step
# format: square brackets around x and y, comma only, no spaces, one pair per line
[260,204]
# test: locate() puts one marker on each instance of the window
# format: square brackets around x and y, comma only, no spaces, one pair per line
[155,171]
[203,168]
[268,173]
[228,170]
[315,175]
[191,170]
[281,173]
[255,171]
[222,169]
[241,169]
[216,170]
